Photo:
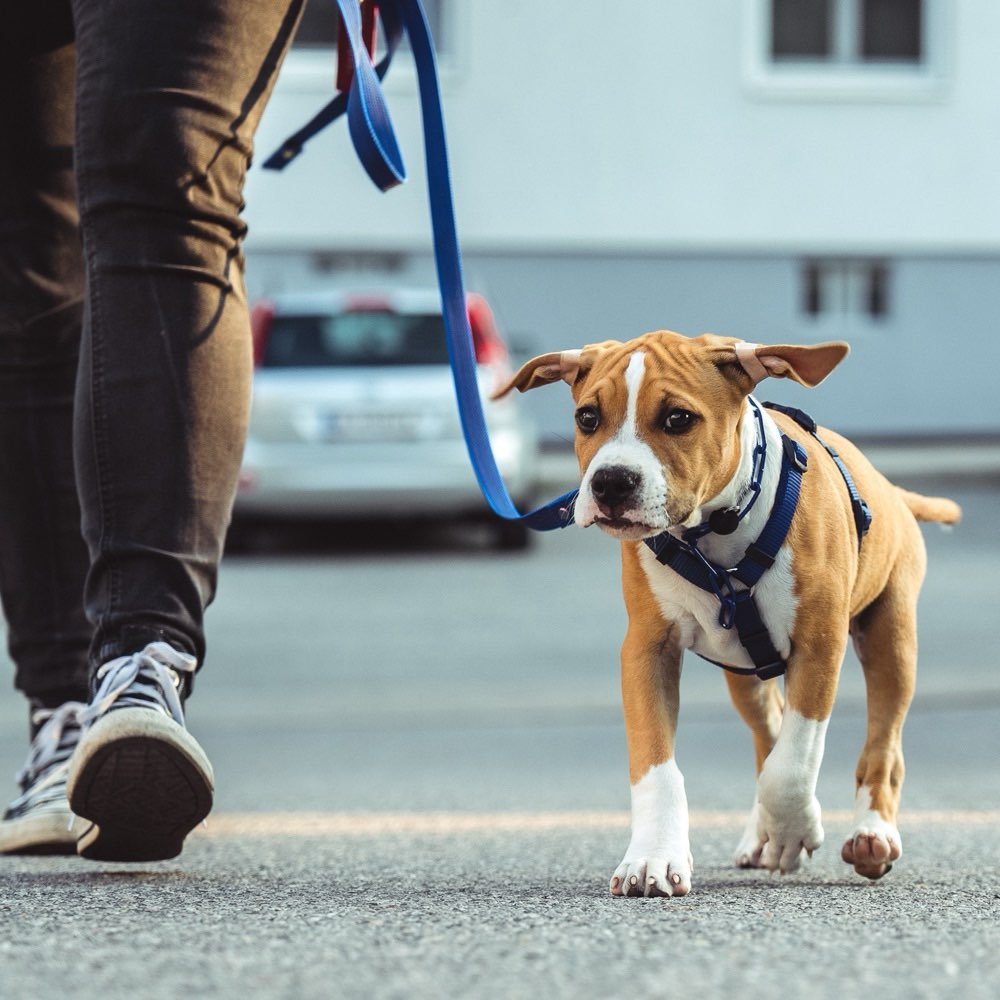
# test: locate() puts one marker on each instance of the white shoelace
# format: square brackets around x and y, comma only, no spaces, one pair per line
[43,777]
[150,679]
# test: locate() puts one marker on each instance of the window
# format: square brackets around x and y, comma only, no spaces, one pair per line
[847,32]
[837,287]
[869,49]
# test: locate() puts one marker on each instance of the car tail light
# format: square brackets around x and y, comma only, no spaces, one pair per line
[261,317]
[489,345]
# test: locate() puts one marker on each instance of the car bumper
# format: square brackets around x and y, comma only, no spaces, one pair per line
[432,480]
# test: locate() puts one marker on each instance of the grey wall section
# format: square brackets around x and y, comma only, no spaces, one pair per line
[928,367]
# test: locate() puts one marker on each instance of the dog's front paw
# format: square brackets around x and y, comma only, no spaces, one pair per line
[653,875]
[873,846]
[658,860]
[786,832]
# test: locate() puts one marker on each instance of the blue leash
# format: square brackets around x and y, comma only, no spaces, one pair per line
[374,140]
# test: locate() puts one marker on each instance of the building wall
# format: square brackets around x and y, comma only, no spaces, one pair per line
[926,368]
[657,131]
[616,177]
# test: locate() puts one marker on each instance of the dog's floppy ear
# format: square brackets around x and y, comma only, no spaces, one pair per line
[543,370]
[806,364]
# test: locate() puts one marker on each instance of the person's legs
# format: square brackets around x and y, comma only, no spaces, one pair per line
[43,559]
[168,99]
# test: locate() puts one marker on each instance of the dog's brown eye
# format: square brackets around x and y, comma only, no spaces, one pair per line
[678,420]
[588,419]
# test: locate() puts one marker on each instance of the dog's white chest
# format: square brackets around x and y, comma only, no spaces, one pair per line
[695,612]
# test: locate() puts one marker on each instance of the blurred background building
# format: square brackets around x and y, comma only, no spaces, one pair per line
[776,170]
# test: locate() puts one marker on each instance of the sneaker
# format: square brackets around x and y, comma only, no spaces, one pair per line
[138,777]
[39,820]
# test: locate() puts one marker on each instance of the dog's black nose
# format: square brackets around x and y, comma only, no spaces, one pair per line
[613,485]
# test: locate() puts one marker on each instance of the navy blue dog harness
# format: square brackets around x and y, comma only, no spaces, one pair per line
[734,588]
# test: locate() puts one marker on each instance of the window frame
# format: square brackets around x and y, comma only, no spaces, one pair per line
[835,79]
[837,288]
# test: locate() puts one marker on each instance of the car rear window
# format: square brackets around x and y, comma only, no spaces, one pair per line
[354,339]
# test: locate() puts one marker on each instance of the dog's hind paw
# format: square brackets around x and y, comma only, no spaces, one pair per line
[652,877]
[749,855]
[872,851]
[750,848]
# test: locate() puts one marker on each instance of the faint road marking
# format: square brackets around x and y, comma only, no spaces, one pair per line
[327,824]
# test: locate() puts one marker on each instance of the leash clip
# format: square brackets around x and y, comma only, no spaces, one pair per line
[722,586]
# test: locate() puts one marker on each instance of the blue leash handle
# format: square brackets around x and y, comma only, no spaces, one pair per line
[374,140]
[385,178]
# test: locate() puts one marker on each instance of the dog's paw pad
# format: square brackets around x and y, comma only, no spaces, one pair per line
[787,834]
[750,848]
[749,859]
[651,877]
[872,852]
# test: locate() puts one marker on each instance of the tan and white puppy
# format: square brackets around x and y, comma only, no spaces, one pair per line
[664,437]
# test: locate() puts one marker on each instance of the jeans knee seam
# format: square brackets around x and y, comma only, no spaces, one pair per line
[106,514]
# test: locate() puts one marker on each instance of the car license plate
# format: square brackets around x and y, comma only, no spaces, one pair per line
[369,427]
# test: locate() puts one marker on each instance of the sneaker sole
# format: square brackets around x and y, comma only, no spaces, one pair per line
[143,784]
[49,834]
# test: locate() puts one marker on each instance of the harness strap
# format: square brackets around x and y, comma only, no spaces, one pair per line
[761,554]
[859,508]
[737,607]
[756,640]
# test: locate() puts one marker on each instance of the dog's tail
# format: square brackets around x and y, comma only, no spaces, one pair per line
[939,509]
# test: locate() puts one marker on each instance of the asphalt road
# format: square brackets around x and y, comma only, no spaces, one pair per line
[422,793]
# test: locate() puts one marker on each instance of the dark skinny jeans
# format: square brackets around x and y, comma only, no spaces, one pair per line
[125,364]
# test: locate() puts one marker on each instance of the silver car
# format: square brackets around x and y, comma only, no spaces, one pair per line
[354,413]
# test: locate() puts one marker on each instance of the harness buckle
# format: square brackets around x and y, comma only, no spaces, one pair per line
[795,452]
[759,556]
[726,595]
[862,517]
[769,670]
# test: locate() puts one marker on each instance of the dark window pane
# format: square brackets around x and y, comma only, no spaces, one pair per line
[812,289]
[892,29]
[878,290]
[801,28]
